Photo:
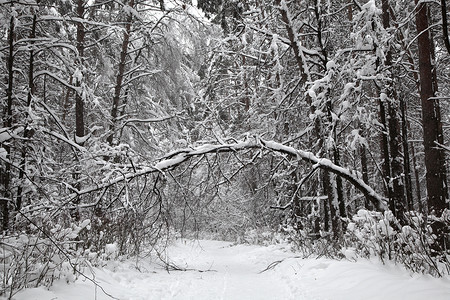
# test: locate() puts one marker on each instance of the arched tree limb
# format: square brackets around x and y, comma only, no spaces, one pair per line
[175,158]
[378,201]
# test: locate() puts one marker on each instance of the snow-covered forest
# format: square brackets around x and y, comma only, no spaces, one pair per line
[128,124]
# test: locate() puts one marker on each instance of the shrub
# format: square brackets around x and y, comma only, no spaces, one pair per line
[415,244]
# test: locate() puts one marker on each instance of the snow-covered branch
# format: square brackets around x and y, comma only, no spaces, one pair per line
[150,120]
[326,164]
[9,133]
[58,78]
[177,157]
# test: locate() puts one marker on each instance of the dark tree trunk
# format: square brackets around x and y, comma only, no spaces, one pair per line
[120,75]
[365,172]
[293,40]
[297,209]
[432,127]
[417,180]
[329,191]
[398,195]
[79,103]
[350,10]
[406,158]
[339,187]
[326,212]
[303,69]
[386,166]
[397,199]
[445,25]
[6,175]
[31,91]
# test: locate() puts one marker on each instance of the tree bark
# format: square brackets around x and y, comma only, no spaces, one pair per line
[339,186]
[120,75]
[329,105]
[328,190]
[417,181]
[326,207]
[364,170]
[386,166]
[445,25]
[397,199]
[432,127]
[398,195]
[79,102]
[406,157]
[26,134]
[6,175]
[293,39]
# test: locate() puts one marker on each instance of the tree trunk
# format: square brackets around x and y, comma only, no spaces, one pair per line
[432,127]
[120,75]
[350,10]
[417,180]
[26,134]
[79,103]
[293,40]
[364,171]
[445,25]
[329,105]
[339,186]
[326,209]
[386,166]
[397,199]
[398,195]
[6,175]
[406,158]
[329,191]
[304,77]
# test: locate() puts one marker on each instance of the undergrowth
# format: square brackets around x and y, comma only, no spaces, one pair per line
[44,253]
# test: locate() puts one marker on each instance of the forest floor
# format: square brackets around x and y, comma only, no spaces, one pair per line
[221,270]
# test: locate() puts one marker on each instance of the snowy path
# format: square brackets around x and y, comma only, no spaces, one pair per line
[234,273]
[215,272]
[219,270]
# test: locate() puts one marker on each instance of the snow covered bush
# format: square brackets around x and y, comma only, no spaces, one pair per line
[415,245]
[41,256]
[263,236]
[309,244]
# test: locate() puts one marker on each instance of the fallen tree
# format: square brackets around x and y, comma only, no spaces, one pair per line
[175,158]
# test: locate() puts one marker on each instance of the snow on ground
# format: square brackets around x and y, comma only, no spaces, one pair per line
[220,270]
